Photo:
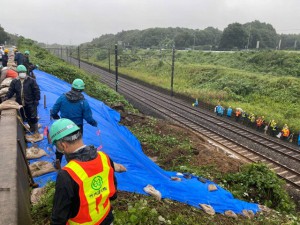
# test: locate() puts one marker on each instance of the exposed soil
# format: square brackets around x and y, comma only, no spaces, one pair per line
[205,154]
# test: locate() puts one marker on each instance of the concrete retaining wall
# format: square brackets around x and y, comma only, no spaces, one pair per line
[14,181]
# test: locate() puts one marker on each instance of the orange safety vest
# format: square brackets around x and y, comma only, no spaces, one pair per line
[259,122]
[285,132]
[237,113]
[95,179]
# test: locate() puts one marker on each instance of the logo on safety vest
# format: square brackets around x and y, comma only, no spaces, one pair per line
[97,183]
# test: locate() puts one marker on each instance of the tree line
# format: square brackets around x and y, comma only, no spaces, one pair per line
[4,36]
[235,36]
[7,38]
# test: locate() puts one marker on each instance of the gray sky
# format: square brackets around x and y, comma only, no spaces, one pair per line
[78,21]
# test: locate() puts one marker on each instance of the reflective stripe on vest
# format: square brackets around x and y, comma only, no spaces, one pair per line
[96,184]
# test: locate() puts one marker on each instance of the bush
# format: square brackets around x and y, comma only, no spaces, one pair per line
[257,183]
[41,212]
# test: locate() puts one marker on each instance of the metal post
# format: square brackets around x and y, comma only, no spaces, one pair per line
[194,41]
[45,105]
[116,65]
[67,54]
[70,55]
[109,60]
[78,57]
[172,74]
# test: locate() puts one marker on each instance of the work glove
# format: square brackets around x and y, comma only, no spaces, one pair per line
[94,123]
[54,116]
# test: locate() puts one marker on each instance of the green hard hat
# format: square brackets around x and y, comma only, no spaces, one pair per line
[26,52]
[78,84]
[61,128]
[21,68]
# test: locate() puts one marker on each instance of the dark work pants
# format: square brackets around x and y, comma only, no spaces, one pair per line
[29,113]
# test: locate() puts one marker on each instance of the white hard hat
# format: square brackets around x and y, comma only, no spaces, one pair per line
[4,68]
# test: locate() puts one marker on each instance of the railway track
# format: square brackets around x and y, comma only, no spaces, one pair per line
[282,157]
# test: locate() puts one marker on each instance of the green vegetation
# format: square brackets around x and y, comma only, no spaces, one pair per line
[133,209]
[254,183]
[41,212]
[257,183]
[68,73]
[3,36]
[234,37]
[264,83]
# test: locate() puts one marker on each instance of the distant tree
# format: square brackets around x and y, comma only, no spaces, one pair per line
[209,36]
[183,40]
[167,43]
[262,32]
[234,36]
[13,39]
[290,41]
[3,36]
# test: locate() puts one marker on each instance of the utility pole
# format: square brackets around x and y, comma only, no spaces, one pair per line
[194,41]
[67,54]
[248,42]
[109,60]
[78,57]
[172,73]
[116,65]
[279,44]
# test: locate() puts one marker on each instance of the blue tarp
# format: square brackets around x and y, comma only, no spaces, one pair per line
[123,147]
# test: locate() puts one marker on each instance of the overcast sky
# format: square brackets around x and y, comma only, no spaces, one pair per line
[79,21]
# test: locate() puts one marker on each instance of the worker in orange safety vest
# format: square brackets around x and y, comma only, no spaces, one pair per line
[86,185]
[285,132]
[259,122]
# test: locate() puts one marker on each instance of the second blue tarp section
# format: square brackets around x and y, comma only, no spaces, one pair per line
[124,148]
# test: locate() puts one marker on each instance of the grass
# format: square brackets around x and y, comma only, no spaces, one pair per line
[176,151]
[264,83]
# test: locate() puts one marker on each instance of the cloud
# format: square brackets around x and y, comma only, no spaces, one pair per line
[78,21]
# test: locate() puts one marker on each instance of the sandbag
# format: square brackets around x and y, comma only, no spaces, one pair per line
[208,209]
[212,187]
[119,167]
[34,153]
[34,137]
[40,168]
[248,213]
[149,189]
[9,104]
[3,91]
[231,214]
[6,82]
